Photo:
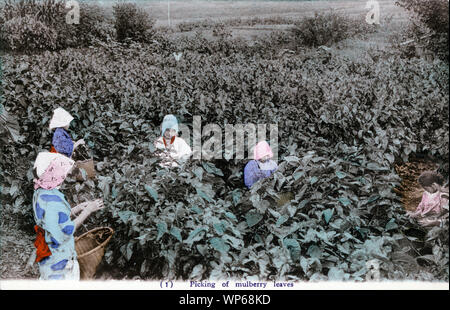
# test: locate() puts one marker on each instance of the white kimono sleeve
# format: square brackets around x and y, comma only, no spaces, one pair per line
[182,149]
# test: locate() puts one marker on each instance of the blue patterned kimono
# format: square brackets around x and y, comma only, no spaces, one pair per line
[52,214]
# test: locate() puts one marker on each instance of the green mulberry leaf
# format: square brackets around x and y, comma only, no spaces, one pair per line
[253,218]
[219,228]
[194,235]
[203,195]
[391,225]
[162,229]
[151,192]
[176,232]
[294,248]
[327,214]
[341,174]
[219,245]
[230,215]
[281,220]
[345,201]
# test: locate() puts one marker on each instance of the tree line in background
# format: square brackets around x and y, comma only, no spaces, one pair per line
[33,25]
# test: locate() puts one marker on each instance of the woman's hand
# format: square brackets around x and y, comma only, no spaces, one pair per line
[91,206]
[159,144]
[94,205]
[78,208]
[260,175]
[79,142]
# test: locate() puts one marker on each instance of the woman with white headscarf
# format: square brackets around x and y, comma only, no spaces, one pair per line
[62,141]
[55,244]
[176,148]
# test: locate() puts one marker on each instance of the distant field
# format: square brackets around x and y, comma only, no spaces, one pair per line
[192,12]
[187,11]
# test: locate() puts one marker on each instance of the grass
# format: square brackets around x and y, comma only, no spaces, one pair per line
[190,11]
[251,19]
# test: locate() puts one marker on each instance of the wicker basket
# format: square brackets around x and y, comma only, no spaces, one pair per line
[88,166]
[90,248]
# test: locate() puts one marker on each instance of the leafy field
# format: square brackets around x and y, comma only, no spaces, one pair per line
[344,122]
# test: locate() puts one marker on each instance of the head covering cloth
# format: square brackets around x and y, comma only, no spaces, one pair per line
[51,169]
[262,149]
[169,122]
[61,118]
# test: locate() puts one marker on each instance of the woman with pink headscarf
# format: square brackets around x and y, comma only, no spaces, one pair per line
[262,166]
[55,244]
[433,208]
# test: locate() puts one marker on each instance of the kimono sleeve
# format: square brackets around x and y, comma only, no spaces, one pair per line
[184,150]
[274,169]
[159,144]
[251,173]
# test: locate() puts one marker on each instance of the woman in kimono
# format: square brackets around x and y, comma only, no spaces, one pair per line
[175,147]
[55,245]
[262,166]
[62,141]
[433,208]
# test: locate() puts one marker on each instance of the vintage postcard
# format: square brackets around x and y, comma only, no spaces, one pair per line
[224,145]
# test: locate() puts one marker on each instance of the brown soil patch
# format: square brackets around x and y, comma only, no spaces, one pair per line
[409,189]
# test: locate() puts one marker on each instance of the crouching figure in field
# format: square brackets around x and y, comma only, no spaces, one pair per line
[262,166]
[62,141]
[433,209]
[55,244]
[174,147]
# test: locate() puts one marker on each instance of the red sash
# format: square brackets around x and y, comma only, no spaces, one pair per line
[42,249]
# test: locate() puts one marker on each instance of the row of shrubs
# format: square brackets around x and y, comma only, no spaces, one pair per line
[30,25]
[234,22]
[428,27]
[41,25]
